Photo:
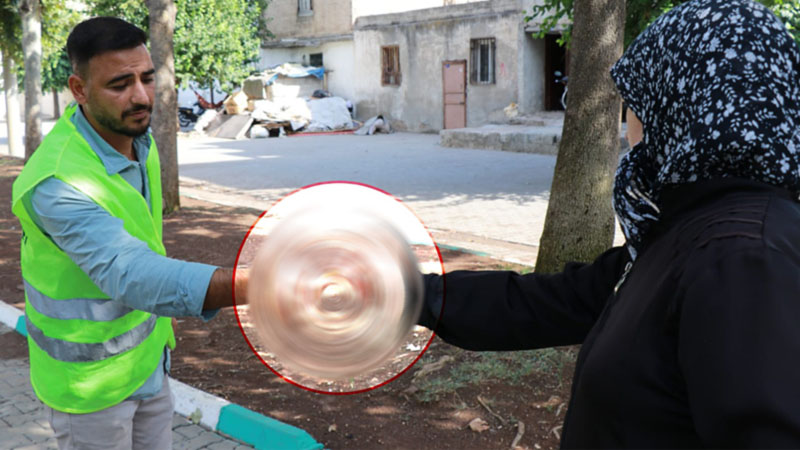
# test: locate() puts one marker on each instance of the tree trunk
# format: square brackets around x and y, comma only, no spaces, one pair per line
[580,221]
[56,105]
[165,110]
[12,107]
[31,15]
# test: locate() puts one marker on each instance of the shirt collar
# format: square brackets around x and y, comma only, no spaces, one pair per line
[113,160]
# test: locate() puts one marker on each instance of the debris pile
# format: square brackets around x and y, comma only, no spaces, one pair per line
[282,100]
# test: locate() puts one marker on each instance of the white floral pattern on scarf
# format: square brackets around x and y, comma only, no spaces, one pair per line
[717,86]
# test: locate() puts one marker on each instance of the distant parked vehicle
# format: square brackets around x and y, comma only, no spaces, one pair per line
[188,116]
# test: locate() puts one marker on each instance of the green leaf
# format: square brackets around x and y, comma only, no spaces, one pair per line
[641,13]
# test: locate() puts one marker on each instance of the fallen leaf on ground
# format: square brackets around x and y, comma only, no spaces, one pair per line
[518,437]
[551,403]
[433,367]
[478,425]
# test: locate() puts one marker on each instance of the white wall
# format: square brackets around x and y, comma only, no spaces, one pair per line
[336,56]
[531,74]
[47,107]
[275,56]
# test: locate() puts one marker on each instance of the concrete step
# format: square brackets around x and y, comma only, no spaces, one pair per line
[542,140]
[510,138]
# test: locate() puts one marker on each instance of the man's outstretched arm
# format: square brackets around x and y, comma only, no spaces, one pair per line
[220,289]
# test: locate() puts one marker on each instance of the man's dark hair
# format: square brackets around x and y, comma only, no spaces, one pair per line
[99,35]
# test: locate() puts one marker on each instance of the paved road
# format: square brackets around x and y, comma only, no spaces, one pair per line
[484,200]
[24,426]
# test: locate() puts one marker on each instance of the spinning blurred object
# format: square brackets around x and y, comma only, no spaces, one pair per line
[334,292]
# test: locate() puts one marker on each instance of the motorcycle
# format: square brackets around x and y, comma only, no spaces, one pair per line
[562,79]
[187,116]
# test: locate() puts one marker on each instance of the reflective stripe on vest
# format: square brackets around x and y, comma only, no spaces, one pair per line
[97,309]
[77,352]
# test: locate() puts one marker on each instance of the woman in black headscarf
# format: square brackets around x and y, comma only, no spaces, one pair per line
[691,332]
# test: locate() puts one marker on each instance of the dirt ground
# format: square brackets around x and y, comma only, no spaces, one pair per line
[521,396]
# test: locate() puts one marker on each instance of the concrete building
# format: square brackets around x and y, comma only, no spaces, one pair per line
[320,32]
[425,64]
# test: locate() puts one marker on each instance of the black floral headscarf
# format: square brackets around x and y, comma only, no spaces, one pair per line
[716,85]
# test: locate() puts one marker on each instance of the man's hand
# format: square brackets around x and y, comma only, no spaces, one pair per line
[220,289]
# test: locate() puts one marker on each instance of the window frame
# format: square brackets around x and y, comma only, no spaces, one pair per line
[391,75]
[476,76]
[312,56]
[305,8]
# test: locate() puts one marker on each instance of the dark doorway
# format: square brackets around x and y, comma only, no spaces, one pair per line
[556,60]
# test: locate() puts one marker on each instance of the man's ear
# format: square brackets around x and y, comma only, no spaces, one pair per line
[77,86]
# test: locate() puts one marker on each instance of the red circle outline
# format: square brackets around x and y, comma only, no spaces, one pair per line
[239,321]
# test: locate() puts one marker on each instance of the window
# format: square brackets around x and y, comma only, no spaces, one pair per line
[315,59]
[482,70]
[390,64]
[305,7]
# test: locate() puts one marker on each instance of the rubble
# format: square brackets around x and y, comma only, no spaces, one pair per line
[377,124]
[286,110]
[205,119]
[284,99]
[232,127]
[328,114]
[236,103]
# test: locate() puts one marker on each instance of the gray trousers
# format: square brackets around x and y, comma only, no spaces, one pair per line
[130,425]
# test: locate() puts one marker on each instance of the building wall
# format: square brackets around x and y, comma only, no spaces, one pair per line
[426,39]
[275,56]
[330,17]
[531,74]
[337,58]
[341,68]
[374,7]
[47,105]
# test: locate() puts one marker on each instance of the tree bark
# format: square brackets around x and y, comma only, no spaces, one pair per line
[580,221]
[56,105]
[31,15]
[12,107]
[165,110]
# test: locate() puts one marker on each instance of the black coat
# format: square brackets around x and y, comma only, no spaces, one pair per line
[698,347]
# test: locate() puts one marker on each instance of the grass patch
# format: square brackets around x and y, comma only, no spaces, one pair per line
[472,368]
[520,269]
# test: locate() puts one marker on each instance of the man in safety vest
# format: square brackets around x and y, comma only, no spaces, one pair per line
[99,289]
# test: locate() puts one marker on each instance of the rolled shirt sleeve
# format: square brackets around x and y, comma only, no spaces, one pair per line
[122,266]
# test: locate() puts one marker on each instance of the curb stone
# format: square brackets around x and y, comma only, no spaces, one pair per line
[212,412]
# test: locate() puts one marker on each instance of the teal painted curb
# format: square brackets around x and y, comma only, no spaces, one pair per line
[21,328]
[463,250]
[265,433]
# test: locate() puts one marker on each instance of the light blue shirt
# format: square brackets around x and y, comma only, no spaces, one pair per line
[121,265]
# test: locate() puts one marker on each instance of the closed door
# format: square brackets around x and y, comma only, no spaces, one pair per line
[454,75]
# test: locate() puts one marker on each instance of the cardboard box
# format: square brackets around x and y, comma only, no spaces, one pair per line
[236,103]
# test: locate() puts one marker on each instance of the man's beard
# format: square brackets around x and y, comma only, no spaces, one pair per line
[117,126]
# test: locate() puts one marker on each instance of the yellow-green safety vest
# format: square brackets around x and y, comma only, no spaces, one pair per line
[87,352]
